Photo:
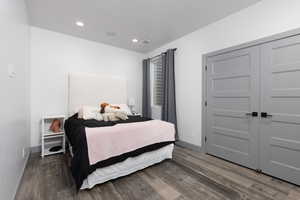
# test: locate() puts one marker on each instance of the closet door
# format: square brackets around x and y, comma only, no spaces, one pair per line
[232,94]
[280,104]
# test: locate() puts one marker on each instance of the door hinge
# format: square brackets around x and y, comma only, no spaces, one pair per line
[205,103]
[205,139]
[205,67]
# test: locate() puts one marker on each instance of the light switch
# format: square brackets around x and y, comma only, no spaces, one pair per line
[11,71]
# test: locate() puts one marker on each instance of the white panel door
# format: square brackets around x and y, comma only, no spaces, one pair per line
[280,106]
[233,95]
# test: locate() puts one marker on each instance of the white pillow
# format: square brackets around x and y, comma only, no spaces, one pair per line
[80,112]
[124,108]
[90,112]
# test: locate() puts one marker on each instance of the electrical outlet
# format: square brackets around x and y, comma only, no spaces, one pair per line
[24,152]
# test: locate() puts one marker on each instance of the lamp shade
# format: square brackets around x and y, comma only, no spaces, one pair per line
[131,102]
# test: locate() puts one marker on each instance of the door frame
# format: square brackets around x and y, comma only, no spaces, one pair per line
[261,41]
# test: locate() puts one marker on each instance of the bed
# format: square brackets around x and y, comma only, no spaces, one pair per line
[102,151]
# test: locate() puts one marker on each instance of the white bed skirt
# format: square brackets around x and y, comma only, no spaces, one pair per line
[128,166]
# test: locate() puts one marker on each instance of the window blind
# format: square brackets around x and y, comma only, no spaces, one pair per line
[158,82]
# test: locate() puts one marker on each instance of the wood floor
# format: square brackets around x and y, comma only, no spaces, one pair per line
[190,175]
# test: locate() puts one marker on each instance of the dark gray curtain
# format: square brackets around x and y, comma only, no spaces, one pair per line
[146,109]
[169,101]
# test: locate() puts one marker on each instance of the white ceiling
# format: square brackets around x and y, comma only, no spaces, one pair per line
[159,21]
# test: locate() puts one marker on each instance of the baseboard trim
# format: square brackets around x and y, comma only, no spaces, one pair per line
[189,146]
[35,149]
[22,173]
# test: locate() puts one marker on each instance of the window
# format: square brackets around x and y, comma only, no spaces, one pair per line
[157,83]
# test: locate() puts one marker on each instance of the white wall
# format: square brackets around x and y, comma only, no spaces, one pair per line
[54,55]
[263,19]
[14,123]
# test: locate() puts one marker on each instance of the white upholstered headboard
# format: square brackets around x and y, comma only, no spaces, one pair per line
[91,89]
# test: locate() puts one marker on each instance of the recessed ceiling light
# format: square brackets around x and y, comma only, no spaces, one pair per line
[135,40]
[80,23]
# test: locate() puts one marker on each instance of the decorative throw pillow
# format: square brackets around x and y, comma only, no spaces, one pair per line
[98,116]
[124,108]
[109,117]
[55,126]
[121,115]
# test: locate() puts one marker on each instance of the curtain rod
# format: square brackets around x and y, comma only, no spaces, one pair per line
[162,53]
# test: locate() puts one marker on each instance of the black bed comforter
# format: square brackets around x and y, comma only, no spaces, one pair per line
[75,131]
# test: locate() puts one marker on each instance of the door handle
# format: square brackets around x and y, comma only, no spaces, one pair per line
[252,114]
[265,115]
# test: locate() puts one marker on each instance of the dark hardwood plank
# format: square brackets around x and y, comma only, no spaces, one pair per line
[236,169]
[188,184]
[108,191]
[223,178]
[190,175]
[142,189]
[165,190]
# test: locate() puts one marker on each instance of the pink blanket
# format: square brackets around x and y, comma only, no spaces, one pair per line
[107,142]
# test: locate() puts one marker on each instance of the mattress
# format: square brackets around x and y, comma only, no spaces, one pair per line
[128,166]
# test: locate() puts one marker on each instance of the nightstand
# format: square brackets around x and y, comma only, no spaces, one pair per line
[52,139]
